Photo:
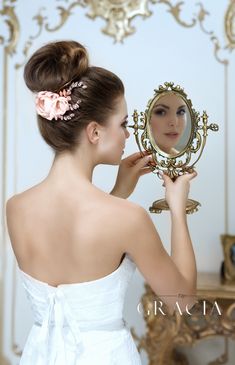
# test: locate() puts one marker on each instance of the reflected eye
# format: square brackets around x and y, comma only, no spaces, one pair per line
[160,112]
[181,111]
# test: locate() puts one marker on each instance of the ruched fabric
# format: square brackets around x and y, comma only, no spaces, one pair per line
[81,323]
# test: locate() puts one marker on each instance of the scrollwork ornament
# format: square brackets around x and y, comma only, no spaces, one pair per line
[230,25]
[64,15]
[166,333]
[39,18]
[43,23]
[118,14]
[10,18]
[175,11]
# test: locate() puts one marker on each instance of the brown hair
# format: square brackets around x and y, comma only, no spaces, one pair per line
[52,68]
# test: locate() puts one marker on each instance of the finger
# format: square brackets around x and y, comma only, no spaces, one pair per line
[189,175]
[143,162]
[166,180]
[145,170]
[135,156]
[192,175]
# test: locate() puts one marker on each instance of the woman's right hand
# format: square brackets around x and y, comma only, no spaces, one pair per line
[177,192]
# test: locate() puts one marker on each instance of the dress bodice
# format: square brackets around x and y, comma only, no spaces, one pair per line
[63,314]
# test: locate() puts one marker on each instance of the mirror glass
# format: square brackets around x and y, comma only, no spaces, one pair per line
[170,123]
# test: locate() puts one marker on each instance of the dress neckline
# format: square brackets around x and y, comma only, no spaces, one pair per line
[78,283]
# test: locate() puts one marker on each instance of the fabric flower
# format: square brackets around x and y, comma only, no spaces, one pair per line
[51,105]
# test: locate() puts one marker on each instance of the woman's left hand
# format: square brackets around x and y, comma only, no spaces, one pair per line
[129,172]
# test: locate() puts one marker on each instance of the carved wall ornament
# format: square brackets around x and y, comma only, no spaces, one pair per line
[229,23]
[9,17]
[118,15]
[211,316]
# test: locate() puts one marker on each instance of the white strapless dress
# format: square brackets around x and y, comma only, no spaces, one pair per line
[81,323]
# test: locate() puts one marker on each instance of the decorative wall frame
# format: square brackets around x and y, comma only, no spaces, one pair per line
[119,15]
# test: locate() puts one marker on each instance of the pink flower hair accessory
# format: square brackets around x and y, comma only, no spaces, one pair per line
[52,105]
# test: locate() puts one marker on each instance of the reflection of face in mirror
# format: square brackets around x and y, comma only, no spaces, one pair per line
[169,123]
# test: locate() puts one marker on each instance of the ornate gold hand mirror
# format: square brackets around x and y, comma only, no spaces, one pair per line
[174,133]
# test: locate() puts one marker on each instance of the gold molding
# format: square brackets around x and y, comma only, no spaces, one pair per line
[118,15]
[175,11]
[42,23]
[166,334]
[229,23]
[200,19]
[12,21]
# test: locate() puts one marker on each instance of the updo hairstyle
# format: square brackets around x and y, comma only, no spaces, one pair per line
[54,67]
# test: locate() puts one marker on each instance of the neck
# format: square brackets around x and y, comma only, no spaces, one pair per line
[71,169]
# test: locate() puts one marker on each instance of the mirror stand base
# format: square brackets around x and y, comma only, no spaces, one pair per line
[159,205]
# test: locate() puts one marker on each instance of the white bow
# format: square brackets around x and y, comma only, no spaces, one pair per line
[51,344]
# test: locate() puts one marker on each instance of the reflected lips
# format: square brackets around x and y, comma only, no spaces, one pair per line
[172,135]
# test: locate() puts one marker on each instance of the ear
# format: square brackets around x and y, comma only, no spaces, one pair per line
[93,132]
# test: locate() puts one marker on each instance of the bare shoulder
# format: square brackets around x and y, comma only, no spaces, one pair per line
[128,211]
[19,209]
[135,213]
[128,219]
[16,204]
[14,221]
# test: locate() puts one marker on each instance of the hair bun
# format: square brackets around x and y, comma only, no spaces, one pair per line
[55,65]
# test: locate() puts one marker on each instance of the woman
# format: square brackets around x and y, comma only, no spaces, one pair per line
[77,246]
[168,122]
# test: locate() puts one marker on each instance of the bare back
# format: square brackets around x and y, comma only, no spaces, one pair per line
[79,236]
[70,237]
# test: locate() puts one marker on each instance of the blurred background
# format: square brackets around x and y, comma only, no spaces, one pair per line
[145,43]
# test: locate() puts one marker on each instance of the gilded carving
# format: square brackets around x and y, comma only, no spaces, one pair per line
[229,23]
[64,15]
[118,14]
[166,333]
[42,21]
[12,21]
[175,10]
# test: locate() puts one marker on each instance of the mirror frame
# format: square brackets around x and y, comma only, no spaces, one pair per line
[185,160]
